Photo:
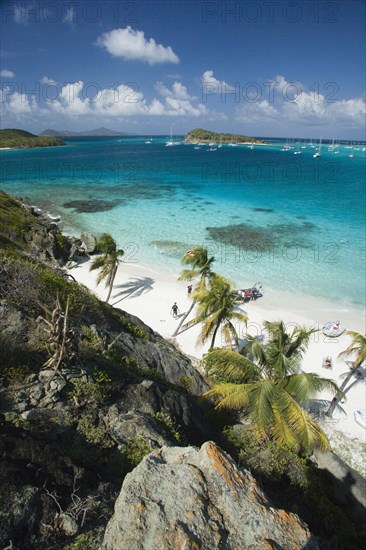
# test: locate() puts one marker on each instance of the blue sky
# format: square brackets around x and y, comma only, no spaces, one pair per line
[261,67]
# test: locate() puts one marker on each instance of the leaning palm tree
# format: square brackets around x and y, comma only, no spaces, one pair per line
[267,386]
[218,309]
[200,264]
[107,262]
[357,349]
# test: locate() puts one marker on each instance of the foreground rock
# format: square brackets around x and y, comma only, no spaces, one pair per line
[185,498]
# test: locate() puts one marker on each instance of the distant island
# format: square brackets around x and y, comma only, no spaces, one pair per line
[205,136]
[96,132]
[20,139]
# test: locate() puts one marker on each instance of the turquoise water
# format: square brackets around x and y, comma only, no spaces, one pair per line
[291,221]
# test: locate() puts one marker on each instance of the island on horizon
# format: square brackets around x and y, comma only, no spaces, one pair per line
[198,135]
[96,132]
[11,138]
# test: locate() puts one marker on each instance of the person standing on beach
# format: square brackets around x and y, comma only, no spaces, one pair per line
[189,289]
[175,310]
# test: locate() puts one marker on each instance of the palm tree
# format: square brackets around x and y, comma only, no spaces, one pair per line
[356,348]
[200,264]
[266,384]
[107,262]
[218,308]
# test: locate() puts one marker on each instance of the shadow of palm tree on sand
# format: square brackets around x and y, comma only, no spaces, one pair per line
[133,289]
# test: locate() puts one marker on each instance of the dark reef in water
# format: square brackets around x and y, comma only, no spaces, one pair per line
[262,209]
[250,237]
[88,206]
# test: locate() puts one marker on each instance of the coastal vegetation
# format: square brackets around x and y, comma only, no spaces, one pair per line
[200,263]
[357,350]
[72,429]
[20,139]
[266,384]
[217,309]
[198,135]
[107,262]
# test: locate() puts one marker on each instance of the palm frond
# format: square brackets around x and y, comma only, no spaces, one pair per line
[308,432]
[97,263]
[305,385]
[261,396]
[357,347]
[231,365]
[256,349]
[188,274]
[229,396]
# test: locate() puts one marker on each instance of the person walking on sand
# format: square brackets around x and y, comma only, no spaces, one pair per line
[175,310]
[189,289]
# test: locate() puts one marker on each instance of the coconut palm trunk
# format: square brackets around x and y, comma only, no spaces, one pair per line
[336,400]
[214,337]
[176,332]
[357,347]
[107,262]
[200,264]
[111,282]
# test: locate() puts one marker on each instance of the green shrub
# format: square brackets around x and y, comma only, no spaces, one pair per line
[85,541]
[95,391]
[16,373]
[134,451]
[96,435]
[91,337]
[185,382]
[169,424]
[137,331]
[61,240]
[17,420]
[268,459]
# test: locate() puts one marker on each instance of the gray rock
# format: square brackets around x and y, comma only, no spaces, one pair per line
[187,498]
[158,354]
[146,398]
[68,525]
[89,241]
[123,427]
[45,375]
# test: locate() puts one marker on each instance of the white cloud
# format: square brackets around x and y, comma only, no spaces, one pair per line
[178,91]
[6,73]
[124,100]
[133,45]
[253,112]
[46,80]
[177,101]
[19,104]
[289,104]
[213,84]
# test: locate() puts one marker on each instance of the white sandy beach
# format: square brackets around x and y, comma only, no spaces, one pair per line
[149,294]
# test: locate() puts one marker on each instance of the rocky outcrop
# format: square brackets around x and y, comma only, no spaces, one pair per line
[187,498]
[154,352]
[45,491]
[89,241]
[134,411]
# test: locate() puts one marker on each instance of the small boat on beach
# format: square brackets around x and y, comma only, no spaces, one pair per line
[333,329]
[360,417]
[247,294]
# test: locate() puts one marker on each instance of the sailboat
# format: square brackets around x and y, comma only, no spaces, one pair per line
[317,154]
[171,142]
